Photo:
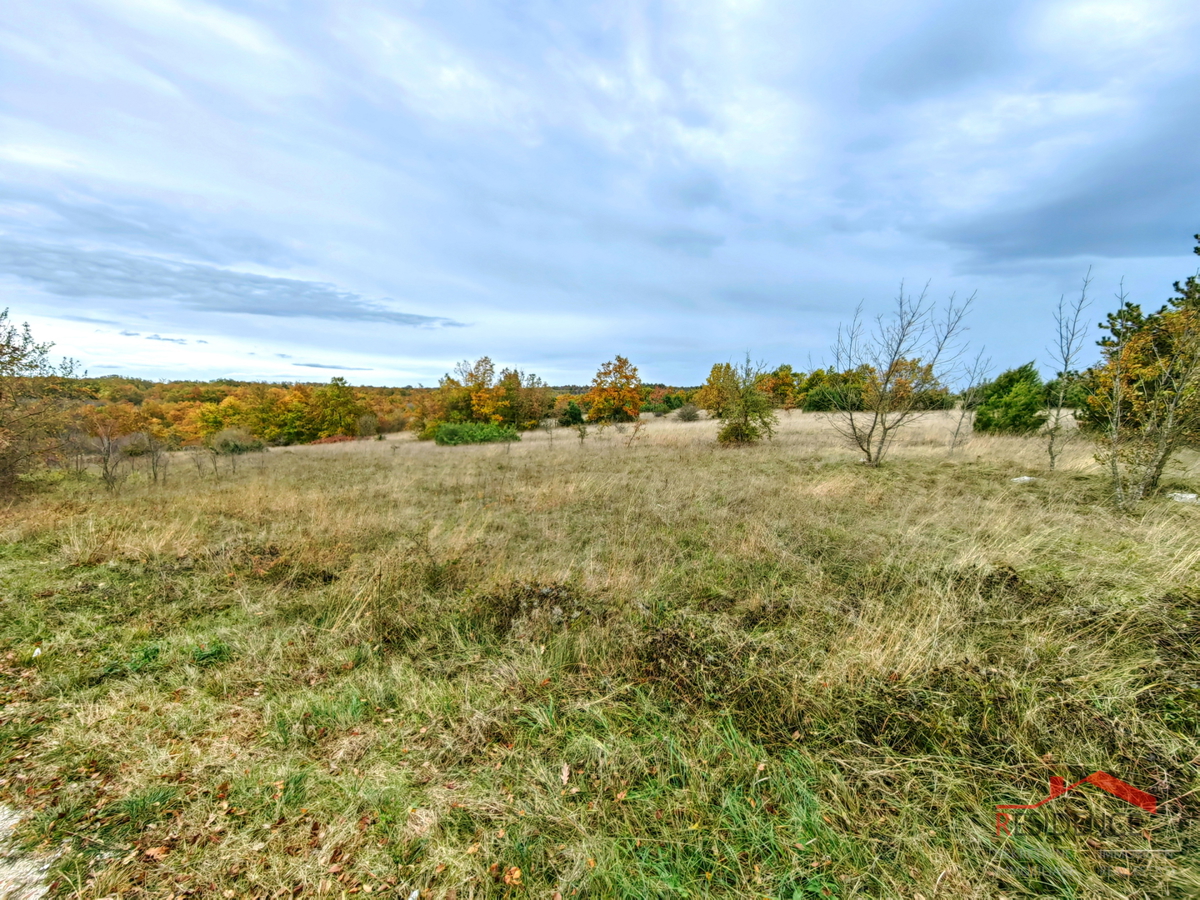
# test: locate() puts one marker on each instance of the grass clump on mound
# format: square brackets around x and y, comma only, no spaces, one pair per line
[611,671]
[451,434]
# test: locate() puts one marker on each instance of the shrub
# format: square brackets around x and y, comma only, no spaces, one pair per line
[1012,404]
[332,439]
[450,434]
[368,425]
[234,442]
[393,422]
[738,433]
[827,398]
[689,412]
[746,413]
[571,416]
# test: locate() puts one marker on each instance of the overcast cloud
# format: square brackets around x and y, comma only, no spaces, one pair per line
[205,189]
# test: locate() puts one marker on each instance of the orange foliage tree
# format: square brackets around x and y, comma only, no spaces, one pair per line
[616,392]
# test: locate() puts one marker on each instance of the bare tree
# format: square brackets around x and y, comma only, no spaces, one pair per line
[1069,330]
[109,444]
[905,359]
[156,453]
[197,456]
[974,378]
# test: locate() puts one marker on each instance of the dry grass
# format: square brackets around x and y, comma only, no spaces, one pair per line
[657,670]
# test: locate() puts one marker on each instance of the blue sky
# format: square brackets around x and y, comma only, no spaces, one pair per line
[292,189]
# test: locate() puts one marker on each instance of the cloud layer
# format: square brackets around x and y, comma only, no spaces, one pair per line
[675,182]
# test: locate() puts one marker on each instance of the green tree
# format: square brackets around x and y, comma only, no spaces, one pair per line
[747,413]
[1014,403]
[572,415]
[335,409]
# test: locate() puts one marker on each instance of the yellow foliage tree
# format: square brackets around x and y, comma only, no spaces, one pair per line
[616,392]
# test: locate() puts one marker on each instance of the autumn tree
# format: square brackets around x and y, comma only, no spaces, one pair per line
[112,429]
[616,394]
[335,409]
[33,400]
[783,386]
[1145,401]
[719,392]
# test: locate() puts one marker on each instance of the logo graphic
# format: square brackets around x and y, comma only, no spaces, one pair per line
[1058,787]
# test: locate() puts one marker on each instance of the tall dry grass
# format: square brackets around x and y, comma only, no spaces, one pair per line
[657,668]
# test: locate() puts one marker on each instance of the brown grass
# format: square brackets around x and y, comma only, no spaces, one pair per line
[769,672]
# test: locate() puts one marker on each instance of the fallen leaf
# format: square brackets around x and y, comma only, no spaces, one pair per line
[1121,870]
[158,852]
[622,794]
[512,876]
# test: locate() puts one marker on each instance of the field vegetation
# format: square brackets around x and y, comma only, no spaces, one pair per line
[604,668]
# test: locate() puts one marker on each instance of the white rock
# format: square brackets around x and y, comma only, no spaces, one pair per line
[22,875]
[1180,497]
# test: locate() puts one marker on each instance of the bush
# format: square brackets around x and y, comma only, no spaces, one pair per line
[394,422]
[745,411]
[1012,404]
[368,425]
[827,398]
[332,439]
[571,416]
[235,441]
[738,433]
[450,434]
[689,412]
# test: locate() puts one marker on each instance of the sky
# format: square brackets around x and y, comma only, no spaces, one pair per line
[290,190]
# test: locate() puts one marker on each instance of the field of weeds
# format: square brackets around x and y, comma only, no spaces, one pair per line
[624,668]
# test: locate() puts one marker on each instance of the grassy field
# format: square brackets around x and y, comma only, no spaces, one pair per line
[658,669]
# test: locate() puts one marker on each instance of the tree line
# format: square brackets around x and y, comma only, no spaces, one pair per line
[1139,403]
